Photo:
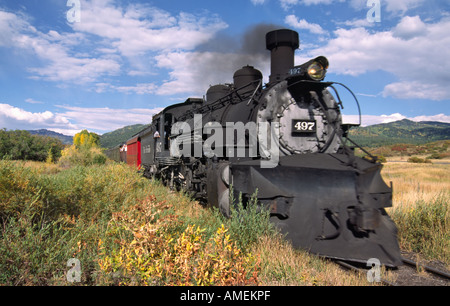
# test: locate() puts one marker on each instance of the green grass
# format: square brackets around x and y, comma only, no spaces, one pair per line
[421,207]
[46,219]
[425,228]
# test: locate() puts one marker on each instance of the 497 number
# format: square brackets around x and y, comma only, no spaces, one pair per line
[303,126]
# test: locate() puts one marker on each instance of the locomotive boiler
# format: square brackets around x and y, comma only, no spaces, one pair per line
[283,141]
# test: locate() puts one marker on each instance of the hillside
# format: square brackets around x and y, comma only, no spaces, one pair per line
[402,131]
[64,138]
[436,150]
[116,137]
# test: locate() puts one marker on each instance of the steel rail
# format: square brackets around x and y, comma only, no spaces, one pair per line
[356,269]
[437,272]
[427,268]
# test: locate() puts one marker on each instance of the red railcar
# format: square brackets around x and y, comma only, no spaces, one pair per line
[134,152]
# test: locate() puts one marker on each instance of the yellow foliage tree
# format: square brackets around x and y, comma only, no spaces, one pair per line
[86,139]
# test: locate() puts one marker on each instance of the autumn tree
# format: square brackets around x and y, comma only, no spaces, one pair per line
[85,151]
[86,139]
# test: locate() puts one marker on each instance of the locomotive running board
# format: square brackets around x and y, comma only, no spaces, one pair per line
[328,204]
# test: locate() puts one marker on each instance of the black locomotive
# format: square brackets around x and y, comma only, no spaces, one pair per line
[284,140]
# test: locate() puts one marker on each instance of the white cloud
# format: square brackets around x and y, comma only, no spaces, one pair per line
[315,2]
[140,89]
[302,24]
[10,25]
[402,6]
[54,51]
[392,117]
[73,119]
[391,6]
[367,120]
[438,117]
[12,117]
[414,58]
[76,70]
[372,119]
[287,4]
[32,101]
[410,27]
[357,23]
[152,29]
[110,40]
[105,119]
[417,90]
[7,110]
[256,2]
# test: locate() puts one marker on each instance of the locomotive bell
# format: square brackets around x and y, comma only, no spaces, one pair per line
[282,45]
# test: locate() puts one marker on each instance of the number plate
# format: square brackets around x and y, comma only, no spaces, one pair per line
[303,126]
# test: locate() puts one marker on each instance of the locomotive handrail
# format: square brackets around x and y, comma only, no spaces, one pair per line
[228,97]
[373,157]
[254,93]
[354,97]
[330,84]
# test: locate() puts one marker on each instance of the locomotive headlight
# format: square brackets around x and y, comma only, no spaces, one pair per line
[314,69]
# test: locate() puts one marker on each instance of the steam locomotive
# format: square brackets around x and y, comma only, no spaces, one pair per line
[284,142]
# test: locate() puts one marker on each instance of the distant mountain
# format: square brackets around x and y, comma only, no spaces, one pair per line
[119,136]
[64,138]
[402,131]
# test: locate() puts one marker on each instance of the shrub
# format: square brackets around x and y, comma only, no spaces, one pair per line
[159,252]
[415,159]
[435,156]
[399,148]
[83,155]
[99,159]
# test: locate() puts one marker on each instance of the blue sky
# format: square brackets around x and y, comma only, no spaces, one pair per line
[124,61]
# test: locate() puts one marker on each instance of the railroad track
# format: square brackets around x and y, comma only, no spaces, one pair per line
[412,273]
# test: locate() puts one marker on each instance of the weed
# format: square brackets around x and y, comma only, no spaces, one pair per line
[424,228]
[248,221]
[421,207]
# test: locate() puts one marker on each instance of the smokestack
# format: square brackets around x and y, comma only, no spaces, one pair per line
[282,45]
